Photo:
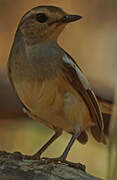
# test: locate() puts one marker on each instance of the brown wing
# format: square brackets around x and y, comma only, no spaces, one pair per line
[78,81]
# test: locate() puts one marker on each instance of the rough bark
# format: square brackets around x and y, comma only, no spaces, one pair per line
[15,166]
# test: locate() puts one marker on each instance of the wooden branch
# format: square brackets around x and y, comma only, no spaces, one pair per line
[15,166]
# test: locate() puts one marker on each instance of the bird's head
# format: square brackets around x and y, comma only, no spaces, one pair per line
[45,23]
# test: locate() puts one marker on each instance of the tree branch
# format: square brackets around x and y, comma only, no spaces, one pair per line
[14,166]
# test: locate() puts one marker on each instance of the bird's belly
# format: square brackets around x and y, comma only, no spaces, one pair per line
[76,111]
[59,108]
[45,101]
[37,96]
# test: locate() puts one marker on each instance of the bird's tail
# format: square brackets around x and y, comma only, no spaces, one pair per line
[83,138]
[99,136]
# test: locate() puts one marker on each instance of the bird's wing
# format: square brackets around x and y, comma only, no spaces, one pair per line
[76,78]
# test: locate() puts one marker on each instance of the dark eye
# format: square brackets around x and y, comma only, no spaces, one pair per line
[41,17]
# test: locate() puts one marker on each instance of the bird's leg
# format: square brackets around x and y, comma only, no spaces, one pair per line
[67,149]
[45,146]
[63,157]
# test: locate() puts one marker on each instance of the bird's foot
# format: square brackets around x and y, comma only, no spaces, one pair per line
[56,160]
[33,157]
[76,165]
[61,160]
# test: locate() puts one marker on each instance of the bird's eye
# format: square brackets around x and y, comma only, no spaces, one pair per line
[41,17]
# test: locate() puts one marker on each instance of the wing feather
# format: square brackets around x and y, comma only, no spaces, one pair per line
[78,81]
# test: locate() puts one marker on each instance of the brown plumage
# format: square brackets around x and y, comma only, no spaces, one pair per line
[47,80]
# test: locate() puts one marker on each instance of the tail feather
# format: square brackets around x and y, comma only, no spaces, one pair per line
[83,138]
[99,136]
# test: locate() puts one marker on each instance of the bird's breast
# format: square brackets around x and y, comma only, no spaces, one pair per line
[45,92]
[53,101]
[38,96]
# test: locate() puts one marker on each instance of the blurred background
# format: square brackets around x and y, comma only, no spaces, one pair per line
[92,43]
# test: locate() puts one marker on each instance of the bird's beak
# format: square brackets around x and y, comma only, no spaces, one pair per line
[71,18]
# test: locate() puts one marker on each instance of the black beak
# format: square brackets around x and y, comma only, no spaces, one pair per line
[71,18]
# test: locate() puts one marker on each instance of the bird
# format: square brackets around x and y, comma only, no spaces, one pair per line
[50,85]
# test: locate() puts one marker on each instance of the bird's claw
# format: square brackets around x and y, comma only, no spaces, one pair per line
[49,160]
[61,160]
[76,165]
[28,157]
